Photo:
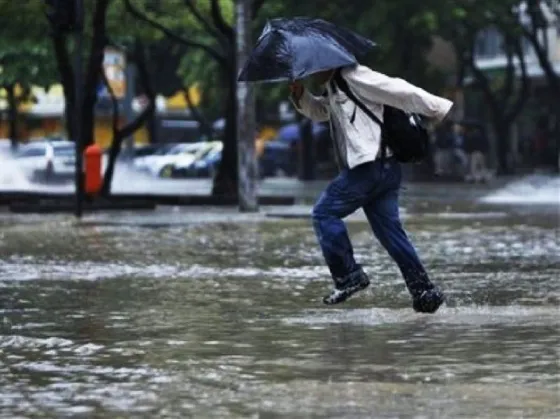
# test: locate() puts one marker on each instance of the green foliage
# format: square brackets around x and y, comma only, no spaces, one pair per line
[404,31]
[25,56]
[26,64]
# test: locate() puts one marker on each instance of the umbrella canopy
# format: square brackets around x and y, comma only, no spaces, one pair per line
[290,49]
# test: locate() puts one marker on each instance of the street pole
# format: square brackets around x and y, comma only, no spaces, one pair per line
[246,125]
[77,117]
[130,79]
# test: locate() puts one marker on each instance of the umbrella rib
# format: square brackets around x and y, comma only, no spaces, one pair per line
[292,49]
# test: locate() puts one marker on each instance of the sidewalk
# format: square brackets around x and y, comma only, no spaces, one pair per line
[197,193]
[308,191]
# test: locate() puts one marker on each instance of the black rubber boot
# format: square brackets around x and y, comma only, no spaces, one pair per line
[428,301]
[347,286]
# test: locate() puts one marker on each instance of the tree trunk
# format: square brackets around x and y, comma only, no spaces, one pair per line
[12,116]
[94,68]
[120,134]
[114,151]
[67,79]
[205,126]
[225,183]
[502,132]
[152,126]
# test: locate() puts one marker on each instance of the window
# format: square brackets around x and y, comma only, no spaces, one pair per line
[164,150]
[32,152]
[67,151]
[489,43]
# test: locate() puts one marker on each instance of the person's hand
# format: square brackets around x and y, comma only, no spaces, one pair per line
[296,89]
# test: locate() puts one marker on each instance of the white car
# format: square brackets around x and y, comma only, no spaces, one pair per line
[184,168]
[142,163]
[46,160]
[163,165]
[186,160]
[151,164]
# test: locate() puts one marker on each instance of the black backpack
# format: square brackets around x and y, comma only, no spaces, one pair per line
[401,132]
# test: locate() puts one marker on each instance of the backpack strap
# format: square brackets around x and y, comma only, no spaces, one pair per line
[343,86]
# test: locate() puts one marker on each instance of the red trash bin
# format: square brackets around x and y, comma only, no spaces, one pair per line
[93,179]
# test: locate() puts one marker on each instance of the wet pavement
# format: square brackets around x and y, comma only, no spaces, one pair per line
[204,312]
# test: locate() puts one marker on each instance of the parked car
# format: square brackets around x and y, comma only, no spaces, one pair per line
[5,146]
[291,133]
[184,161]
[147,150]
[204,165]
[142,163]
[279,158]
[181,155]
[45,160]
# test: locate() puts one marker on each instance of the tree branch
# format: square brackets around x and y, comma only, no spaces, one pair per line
[507,89]
[64,66]
[542,56]
[141,16]
[97,51]
[66,77]
[465,43]
[206,128]
[144,75]
[120,134]
[220,22]
[482,81]
[538,20]
[114,104]
[525,85]
[204,22]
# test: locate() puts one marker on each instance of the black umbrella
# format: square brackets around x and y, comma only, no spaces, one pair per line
[290,49]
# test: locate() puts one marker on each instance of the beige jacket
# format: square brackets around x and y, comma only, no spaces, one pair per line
[359,141]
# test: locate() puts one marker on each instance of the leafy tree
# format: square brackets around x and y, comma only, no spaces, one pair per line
[206,28]
[461,22]
[22,66]
[538,15]
[107,23]
[25,59]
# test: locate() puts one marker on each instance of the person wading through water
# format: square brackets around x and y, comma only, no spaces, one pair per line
[370,177]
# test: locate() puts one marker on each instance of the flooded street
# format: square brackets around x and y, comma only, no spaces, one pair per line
[177,314]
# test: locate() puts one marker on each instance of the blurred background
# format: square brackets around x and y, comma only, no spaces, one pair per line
[172,306]
[158,84]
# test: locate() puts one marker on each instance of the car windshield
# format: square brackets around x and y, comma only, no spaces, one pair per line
[64,151]
[214,153]
[33,150]
[164,150]
[193,148]
[213,149]
[178,150]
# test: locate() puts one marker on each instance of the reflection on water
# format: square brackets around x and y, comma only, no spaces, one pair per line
[215,319]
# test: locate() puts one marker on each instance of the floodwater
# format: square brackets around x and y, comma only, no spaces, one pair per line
[185,313]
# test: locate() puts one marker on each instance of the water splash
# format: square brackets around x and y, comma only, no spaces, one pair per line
[126,180]
[12,177]
[477,315]
[534,189]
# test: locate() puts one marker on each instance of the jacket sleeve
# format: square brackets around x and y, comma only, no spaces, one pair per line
[314,108]
[398,93]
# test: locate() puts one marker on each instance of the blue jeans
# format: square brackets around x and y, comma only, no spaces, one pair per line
[373,186]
